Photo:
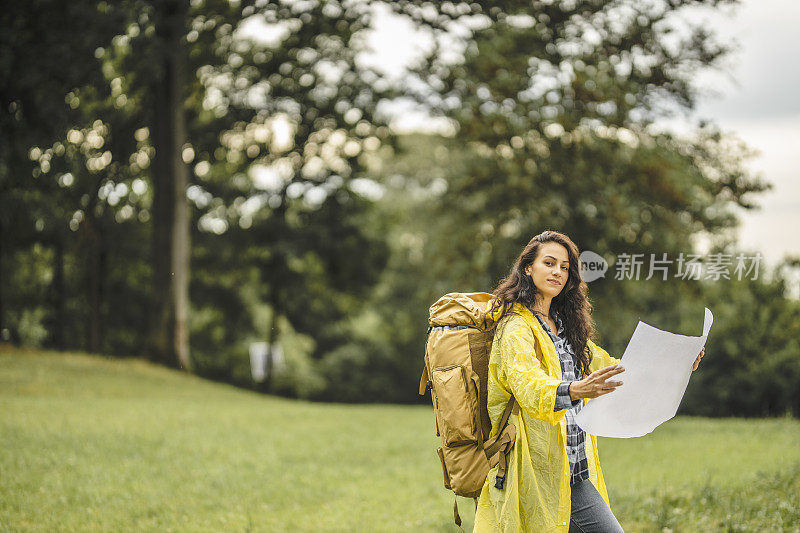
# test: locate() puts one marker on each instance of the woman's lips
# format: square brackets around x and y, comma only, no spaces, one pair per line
[554,282]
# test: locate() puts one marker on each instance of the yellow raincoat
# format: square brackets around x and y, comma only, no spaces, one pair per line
[536,496]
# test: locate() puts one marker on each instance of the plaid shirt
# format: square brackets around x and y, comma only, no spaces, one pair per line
[576,437]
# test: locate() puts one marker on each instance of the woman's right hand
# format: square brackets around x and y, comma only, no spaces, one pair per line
[596,384]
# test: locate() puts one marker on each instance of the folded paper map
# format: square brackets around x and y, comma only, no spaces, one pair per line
[658,365]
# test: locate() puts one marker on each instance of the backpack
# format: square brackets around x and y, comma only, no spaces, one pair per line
[456,372]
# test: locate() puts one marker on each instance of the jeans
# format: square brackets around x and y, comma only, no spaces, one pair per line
[590,514]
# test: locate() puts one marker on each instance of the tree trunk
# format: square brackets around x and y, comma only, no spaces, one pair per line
[3,333]
[96,282]
[271,340]
[169,338]
[59,295]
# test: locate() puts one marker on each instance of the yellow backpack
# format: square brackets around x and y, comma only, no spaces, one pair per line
[456,373]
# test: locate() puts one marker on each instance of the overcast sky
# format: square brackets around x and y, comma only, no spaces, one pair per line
[759,102]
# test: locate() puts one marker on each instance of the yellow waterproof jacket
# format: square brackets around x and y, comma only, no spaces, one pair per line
[536,496]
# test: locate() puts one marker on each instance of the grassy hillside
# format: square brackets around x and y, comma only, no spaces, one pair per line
[95,444]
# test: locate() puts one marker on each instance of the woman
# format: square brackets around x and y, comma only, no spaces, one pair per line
[543,355]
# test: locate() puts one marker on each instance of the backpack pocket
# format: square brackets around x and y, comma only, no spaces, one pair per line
[456,404]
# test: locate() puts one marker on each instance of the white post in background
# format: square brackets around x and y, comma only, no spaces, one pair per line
[265,360]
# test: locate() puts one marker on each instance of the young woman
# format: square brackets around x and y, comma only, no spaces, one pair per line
[543,355]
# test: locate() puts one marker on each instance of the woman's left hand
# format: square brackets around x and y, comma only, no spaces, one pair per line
[697,361]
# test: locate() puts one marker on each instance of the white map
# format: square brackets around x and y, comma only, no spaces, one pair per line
[657,365]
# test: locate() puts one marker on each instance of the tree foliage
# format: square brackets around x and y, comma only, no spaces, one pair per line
[275,129]
[312,225]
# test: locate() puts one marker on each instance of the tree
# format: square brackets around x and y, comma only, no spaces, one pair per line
[555,110]
[37,105]
[754,369]
[278,133]
[263,136]
[558,104]
[169,333]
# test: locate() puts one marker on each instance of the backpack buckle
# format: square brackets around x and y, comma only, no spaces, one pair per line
[499,481]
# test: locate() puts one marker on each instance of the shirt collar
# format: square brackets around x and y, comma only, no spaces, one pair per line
[557,320]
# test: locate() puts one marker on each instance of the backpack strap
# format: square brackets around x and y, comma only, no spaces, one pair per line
[455,513]
[497,447]
[511,406]
[424,383]
[504,444]
[491,445]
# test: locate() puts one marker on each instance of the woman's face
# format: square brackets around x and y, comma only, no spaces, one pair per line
[550,269]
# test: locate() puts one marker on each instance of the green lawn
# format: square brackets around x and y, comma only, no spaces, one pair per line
[95,444]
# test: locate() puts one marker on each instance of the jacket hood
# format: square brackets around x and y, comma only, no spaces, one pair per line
[493,315]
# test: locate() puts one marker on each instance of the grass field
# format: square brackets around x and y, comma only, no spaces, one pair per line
[95,444]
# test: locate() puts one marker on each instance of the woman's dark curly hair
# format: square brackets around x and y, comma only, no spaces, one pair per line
[571,304]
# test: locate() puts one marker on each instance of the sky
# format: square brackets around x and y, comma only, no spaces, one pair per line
[757,100]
